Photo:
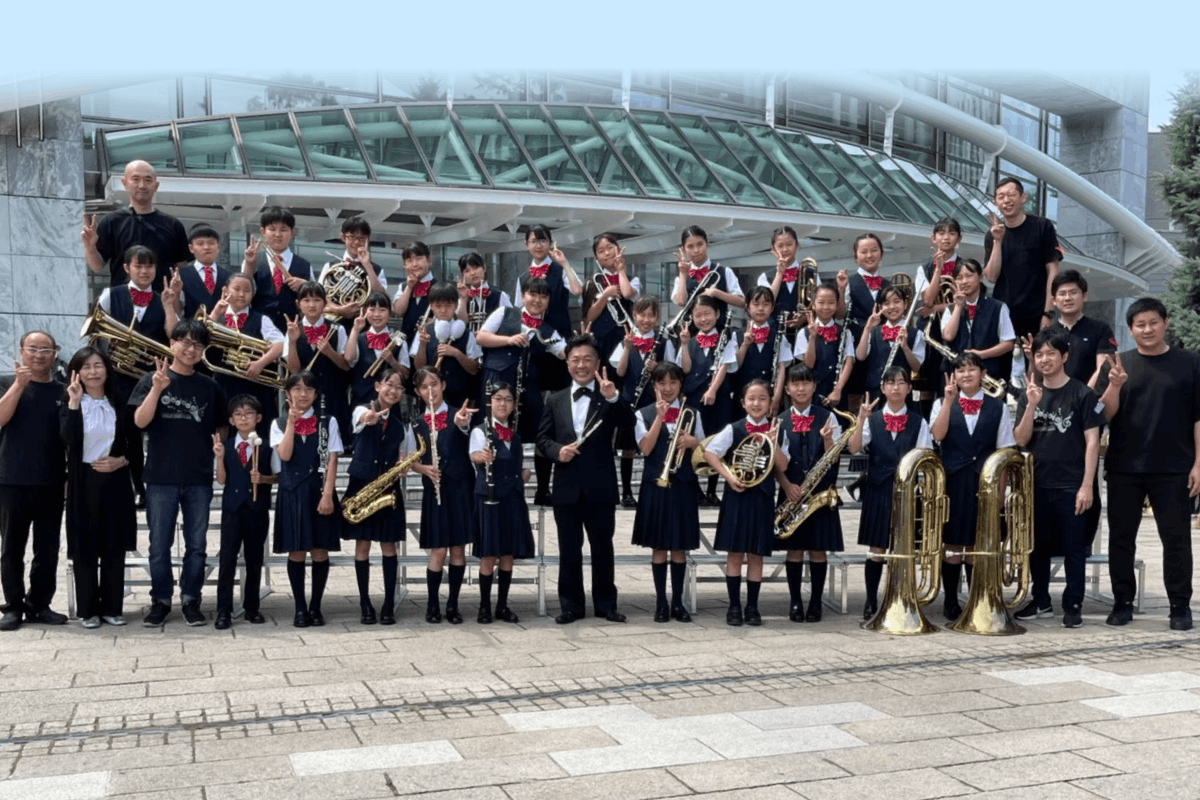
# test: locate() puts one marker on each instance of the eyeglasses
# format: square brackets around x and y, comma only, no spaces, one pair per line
[41,351]
[244,413]
[188,344]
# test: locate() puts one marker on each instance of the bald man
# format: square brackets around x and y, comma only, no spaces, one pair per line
[107,242]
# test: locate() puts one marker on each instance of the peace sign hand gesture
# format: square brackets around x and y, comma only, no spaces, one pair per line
[1033,389]
[74,391]
[683,263]
[293,327]
[1116,372]
[250,254]
[160,379]
[951,390]
[607,387]
[218,446]
[996,227]
[462,417]
[866,407]
[88,235]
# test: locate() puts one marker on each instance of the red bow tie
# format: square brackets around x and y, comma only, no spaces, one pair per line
[948,266]
[971,312]
[439,420]
[895,423]
[422,288]
[503,432]
[791,274]
[235,321]
[697,273]
[243,454]
[752,428]
[706,339]
[378,341]
[759,335]
[530,322]
[141,299]
[210,281]
[873,282]
[671,415]
[313,333]
[970,406]
[801,423]
[539,270]
[827,332]
[889,333]
[306,426]
[644,344]
[481,292]
[611,280]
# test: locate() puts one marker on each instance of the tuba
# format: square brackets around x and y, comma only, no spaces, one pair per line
[914,568]
[1000,560]
[131,353]
[751,462]
[379,494]
[791,515]
[684,425]
[237,351]
[343,283]
[806,288]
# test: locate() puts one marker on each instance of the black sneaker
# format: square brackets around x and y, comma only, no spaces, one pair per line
[1181,618]
[1122,614]
[1034,610]
[11,620]
[157,615]
[193,615]
[46,617]
[1072,618]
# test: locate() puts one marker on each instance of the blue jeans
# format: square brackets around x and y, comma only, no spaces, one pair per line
[1055,521]
[163,502]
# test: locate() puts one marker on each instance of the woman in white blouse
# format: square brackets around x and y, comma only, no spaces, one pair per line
[101,442]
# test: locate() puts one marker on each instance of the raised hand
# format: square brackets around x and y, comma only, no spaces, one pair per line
[88,235]
[683,263]
[462,417]
[160,379]
[293,327]
[996,227]
[218,446]
[223,303]
[951,389]
[866,407]
[607,387]
[660,407]
[250,254]
[827,430]
[1033,392]
[842,279]
[360,322]
[75,390]
[557,254]
[781,263]
[1116,372]
[372,415]
[875,318]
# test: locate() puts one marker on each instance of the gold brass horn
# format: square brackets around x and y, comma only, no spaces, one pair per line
[1000,560]
[237,351]
[750,462]
[344,283]
[914,569]
[904,283]
[806,289]
[131,353]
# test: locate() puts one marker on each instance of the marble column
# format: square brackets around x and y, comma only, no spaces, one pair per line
[43,277]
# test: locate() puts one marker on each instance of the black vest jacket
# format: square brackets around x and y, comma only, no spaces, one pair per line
[805,449]
[962,449]
[883,454]
[654,462]
[237,478]
[153,322]
[194,293]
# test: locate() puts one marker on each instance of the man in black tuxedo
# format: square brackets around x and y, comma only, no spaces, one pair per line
[584,492]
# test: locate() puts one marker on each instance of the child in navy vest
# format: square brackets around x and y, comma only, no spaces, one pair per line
[877,341]
[934,282]
[978,323]
[278,272]
[315,345]
[447,344]
[235,311]
[695,267]
[477,300]
[825,346]
[789,279]
[968,426]
[243,463]
[706,385]
[356,236]
[412,299]
[608,297]
[202,279]
[370,341]
[764,352]
[859,297]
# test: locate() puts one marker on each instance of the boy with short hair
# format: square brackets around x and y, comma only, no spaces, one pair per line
[413,297]
[1091,339]
[202,280]
[356,235]
[278,272]
[244,518]
[449,341]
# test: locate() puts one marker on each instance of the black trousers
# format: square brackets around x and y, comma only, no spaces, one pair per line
[243,528]
[100,582]
[599,519]
[23,507]
[1168,496]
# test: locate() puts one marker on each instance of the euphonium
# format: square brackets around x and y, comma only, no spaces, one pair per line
[806,288]
[237,351]
[344,283]
[914,569]
[791,515]
[132,353]
[751,462]
[379,493]
[684,424]
[1000,560]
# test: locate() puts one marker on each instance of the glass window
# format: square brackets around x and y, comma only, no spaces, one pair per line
[692,171]
[598,158]
[720,160]
[1052,204]
[826,110]
[195,96]
[489,86]
[866,188]
[915,199]
[330,145]
[270,145]
[637,152]
[444,147]
[585,87]
[968,202]
[770,175]
[145,102]
[644,100]
[501,156]
[742,93]
[343,80]
[822,199]
[548,151]
[932,198]
[392,151]
[209,148]
[153,145]
[1020,126]
[233,97]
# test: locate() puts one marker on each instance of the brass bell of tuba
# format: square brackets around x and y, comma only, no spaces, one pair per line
[131,353]
[914,568]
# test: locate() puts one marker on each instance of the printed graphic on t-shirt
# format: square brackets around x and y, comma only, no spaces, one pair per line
[1045,418]
[173,407]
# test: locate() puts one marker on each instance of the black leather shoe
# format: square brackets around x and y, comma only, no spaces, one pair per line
[680,614]
[433,615]
[565,618]
[505,614]
[315,618]
[1181,618]
[796,612]
[368,615]
[662,613]
[46,617]
[614,616]
[452,615]
[224,621]
[387,615]
[627,501]
[869,609]
[485,616]
[752,616]
[814,612]
[300,620]
[713,500]
[952,612]
[734,616]
[11,620]
[1122,614]
[255,617]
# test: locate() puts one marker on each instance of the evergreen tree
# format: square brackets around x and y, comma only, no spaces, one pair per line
[1181,191]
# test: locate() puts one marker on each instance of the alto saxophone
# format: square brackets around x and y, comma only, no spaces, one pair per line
[790,515]
[379,493]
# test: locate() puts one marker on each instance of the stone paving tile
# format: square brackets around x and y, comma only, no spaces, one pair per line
[634,785]
[277,744]
[1178,782]
[870,693]
[1143,705]
[828,714]
[716,776]
[940,685]
[1048,693]
[776,792]
[1142,666]
[103,760]
[1033,716]
[1147,756]
[1143,729]
[83,786]
[244,770]
[194,793]
[912,784]
[470,727]
[1009,744]
[949,702]
[876,758]
[907,729]
[693,706]
[149,705]
[352,786]
[358,759]
[1010,773]
[500,745]
[1045,791]
[645,754]
[477,793]
[476,772]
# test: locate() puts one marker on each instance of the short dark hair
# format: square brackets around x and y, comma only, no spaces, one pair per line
[889,291]
[862,237]
[385,373]
[1068,276]
[468,260]
[202,230]
[947,224]
[356,225]
[708,302]
[140,254]
[111,391]
[1141,306]
[419,379]
[582,340]
[538,286]
[272,214]
[751,384]
[245,400]
[443,292]
[500,386]
[1009,179]
[414,250]
[190,327]
[829,287]
[243,276]
[310,289]
[377,300]
[611,238]
[666,369]
[785,230]
[970,265]
[297,378]
[800,373]
[760,291]
[645,303]
[1055,337]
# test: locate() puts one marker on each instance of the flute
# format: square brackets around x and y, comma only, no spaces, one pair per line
[433,452]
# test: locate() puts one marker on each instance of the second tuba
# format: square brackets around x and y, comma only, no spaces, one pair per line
[131,353]
[237,351]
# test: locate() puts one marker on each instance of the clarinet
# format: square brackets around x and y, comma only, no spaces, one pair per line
[322,437]
[841,359]
[781,319]
[433,451]
[644,378]
[489,432]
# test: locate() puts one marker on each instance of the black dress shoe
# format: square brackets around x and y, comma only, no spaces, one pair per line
[565,618]
[46,617]
[11,620]
[627,501]
[315,618]
[433,615]
[300,620]
[952,612]
[224,621]
[485,616]
[1181,618]
[387,615]
[452,615]
[662,613]
[814,612]
[713,500]
[870,609]
[734,616]
[702,500]
[368,615]
[255,617]
[1122,614]
[505,614]
[796,612]
[681,614]
[752,616]
[614,616]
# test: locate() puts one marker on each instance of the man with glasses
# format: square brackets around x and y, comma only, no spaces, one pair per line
[180,410]
[32,477]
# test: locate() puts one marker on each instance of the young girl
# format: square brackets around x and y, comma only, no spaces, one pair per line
[101,442]
[746,525]
[694,265]
[977,323]
[705,386]
[548,263]
[877,341]
[307,511]
[446,519]
[447,344]
[668,518]
[936,271]
[859,292]
[968,427]
[503,532]
[233,310]
[379,434]
[618,288]
[763,354]
[369,341]
[316,346]
[477,300]
[825,344]
[887,434]
[809,431]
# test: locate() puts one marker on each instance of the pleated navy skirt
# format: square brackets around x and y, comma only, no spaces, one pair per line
[298,526]
[962,488]
[746,523]
[452,522]
[382,526]
[667,519]
[875,522]
[504,529]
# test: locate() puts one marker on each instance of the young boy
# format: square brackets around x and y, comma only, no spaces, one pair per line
[825,345]
[369,341]
[477,300]
[412,299]
[356,235]
[180,410]
[278,272]
[448,340]
[244,519]
[548,263]
[234,311]
[202,279]
[1060,424]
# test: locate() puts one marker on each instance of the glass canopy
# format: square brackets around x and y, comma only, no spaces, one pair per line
[599,150]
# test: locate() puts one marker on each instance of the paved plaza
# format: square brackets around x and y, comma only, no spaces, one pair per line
[600,710]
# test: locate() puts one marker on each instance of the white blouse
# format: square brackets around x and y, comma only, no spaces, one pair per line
[99,427]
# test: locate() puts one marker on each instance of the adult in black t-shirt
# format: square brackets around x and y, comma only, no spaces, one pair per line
[1026,261]
[1152,404]
[180,411]
[107,242]
[32,474]
[1059,422]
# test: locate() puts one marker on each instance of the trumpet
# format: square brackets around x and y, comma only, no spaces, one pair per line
[379,494]
[619,307]
[751,462]
[237,352]
[131,353]
[681,320]
[344,283]
[675,454]
[397,340]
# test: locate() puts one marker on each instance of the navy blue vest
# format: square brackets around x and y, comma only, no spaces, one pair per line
[362,388]
[604,325]
[759,364]
[805,449]
[377,449]
[961,449]
[825,368]
[861,301]
[879,355]
[412,315]
[456,378]
[558,311]
[194,293]
[153,322]
[453,459]
[303,464]
[981,333]
[787,298]
[698,378]
[506,469]
[767,487]
[884,453]
[252,327]
[266,300]
[633,371]
[237,478]
[653,466]
[504,358]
